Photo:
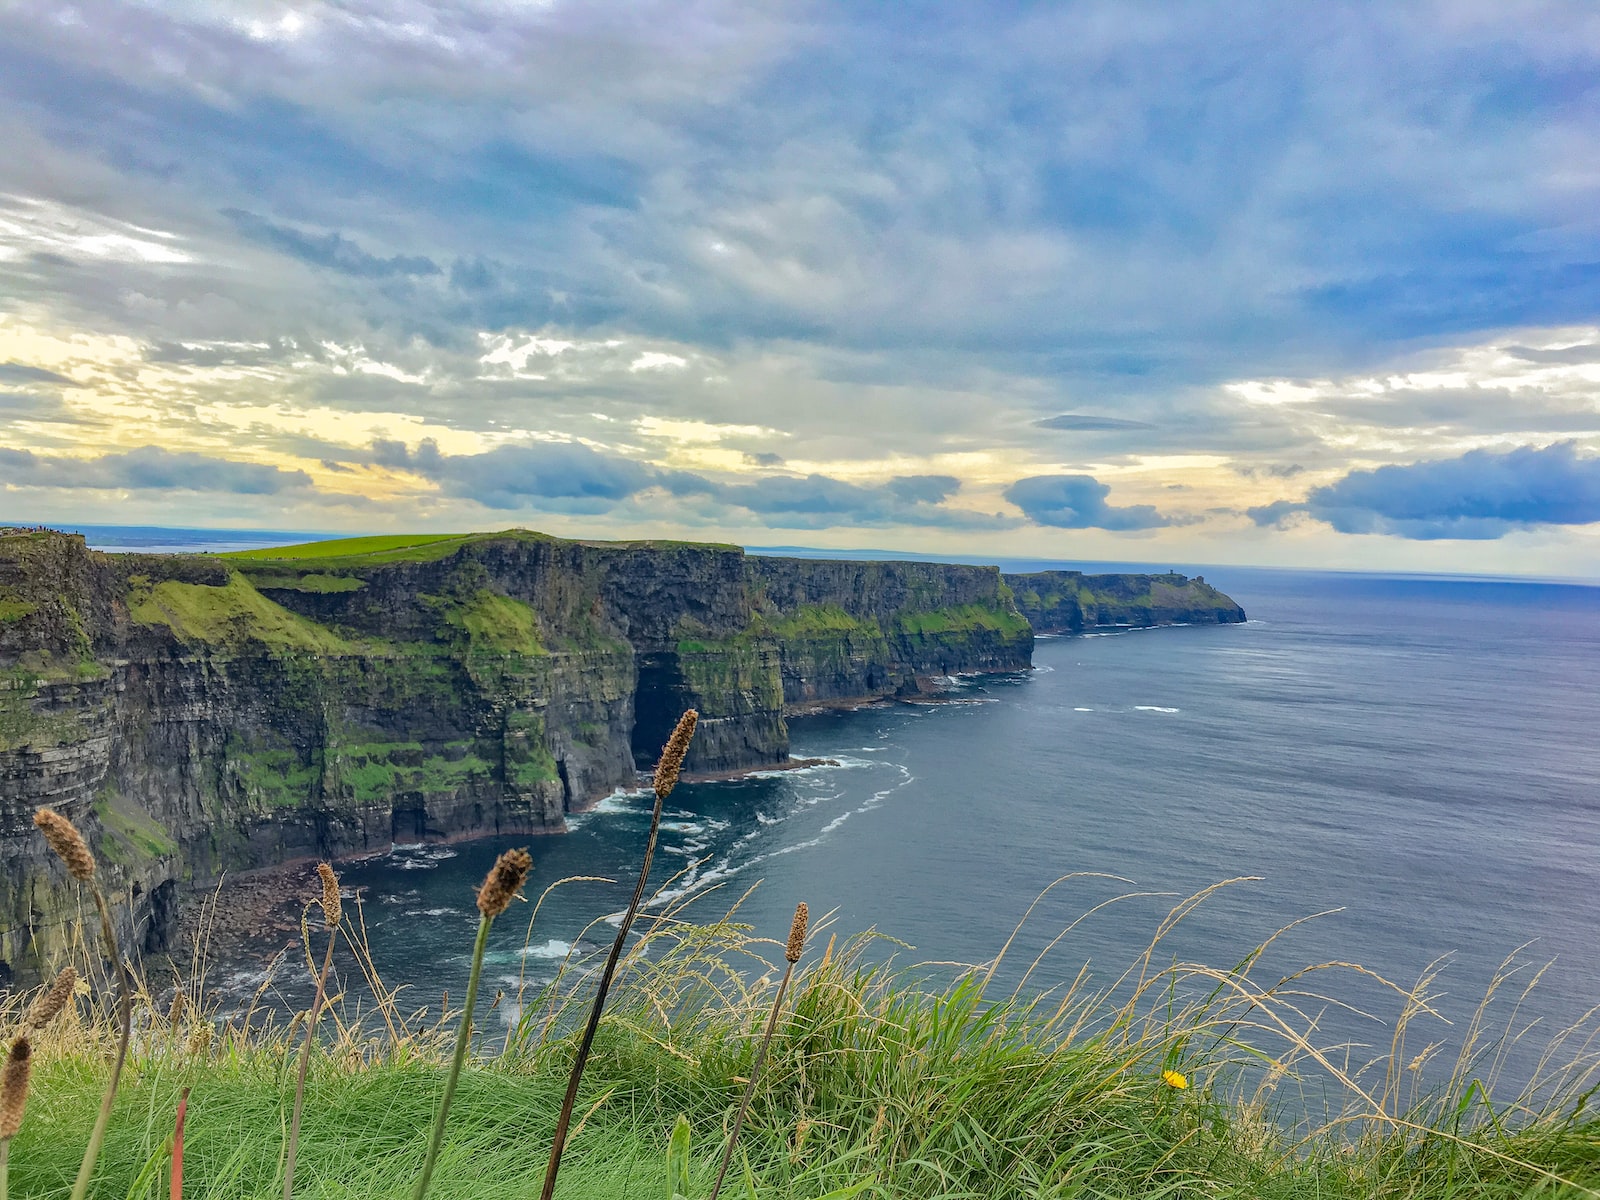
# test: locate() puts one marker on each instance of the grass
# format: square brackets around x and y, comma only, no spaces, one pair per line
[357,547]
[231,615]
[933,1085]
[966,618]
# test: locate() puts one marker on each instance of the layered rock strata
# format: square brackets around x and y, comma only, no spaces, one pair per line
[198,714]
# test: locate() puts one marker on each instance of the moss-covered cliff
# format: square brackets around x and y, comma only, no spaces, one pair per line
[1070,601]
[196,714]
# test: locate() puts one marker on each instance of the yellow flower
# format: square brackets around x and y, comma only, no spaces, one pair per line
[1175,1079]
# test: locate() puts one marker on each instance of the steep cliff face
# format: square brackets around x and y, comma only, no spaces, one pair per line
[199,714]
[1070,601]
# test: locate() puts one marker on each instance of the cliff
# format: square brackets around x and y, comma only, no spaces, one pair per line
[196,714]
[1070,601]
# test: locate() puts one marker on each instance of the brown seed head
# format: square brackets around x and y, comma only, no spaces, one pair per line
[50,1003]
[330,895]
[14,1087]
[797,933]
[67,842]
[504,881]
[199,1045]
[175,1013]
[672,754]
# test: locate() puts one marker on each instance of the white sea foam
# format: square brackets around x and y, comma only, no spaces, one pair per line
[554,948]
[1083,710]
[1153,708]
[836,822]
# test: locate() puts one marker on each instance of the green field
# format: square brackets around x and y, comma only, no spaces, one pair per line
[362,547]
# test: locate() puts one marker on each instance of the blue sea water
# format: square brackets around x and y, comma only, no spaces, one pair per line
[1418,754]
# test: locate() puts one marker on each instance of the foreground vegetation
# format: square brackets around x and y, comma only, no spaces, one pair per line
[847,1077]
[927,1091]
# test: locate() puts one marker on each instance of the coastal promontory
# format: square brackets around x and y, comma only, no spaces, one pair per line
[199,714]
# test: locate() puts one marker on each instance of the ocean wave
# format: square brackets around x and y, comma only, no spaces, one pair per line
[554,948]
[1153,708]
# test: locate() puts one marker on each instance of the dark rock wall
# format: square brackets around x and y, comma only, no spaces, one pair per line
[197,715]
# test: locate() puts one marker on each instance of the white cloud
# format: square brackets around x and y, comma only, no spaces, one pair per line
[29,225]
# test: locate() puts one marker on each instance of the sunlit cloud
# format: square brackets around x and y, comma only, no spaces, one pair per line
[1039,281]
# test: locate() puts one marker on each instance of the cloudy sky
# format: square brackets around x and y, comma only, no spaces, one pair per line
[1200,282]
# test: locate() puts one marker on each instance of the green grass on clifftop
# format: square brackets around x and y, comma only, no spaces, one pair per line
[235,614]
[384,544]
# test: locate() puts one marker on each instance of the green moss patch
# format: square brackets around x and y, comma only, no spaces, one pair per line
[813,620]
[15,610]
[313,582]
[488,622]
[132,835]
[228,616]
[378,772]
[965,618]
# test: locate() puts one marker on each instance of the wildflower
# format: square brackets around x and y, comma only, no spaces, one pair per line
[1175,1079]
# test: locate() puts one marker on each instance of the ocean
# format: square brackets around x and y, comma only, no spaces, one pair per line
[1414,758]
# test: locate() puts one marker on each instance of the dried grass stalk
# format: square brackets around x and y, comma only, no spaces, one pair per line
[332,908]
[67,842]
[499,889]
[331,911]
[797,933]
[791,955]
[13,1100]
[63,837]
[14,1087]
[673,754]
[666,778]
[49,1004]
[504,881]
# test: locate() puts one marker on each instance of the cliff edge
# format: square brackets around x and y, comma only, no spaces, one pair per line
[195,714]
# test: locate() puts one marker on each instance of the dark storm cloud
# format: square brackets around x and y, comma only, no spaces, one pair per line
[148,467]
[1481,495]
[1078,502]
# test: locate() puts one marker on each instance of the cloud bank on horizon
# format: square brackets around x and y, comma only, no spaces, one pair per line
[1198,282]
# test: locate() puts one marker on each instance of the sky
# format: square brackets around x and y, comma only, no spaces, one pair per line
[1195,282]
